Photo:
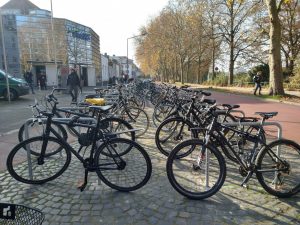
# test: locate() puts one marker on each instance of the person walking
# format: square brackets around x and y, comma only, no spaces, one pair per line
[43,81]
[257,81]
[29,79]
[73,83]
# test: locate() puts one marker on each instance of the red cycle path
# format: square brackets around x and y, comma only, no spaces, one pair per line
[288,115]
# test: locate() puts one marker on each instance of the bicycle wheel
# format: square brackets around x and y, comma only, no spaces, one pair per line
[278,168]
[160,112]
[36,130]
[117,127]
[123,170]
[138,118]
[191,180]
[53,166]
[172,132]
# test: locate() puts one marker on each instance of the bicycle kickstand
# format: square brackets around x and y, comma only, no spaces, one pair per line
[247,178]
[83,185]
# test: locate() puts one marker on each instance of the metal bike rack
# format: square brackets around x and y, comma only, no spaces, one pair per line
[276,124]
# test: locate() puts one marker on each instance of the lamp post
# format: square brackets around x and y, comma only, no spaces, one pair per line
[4,56]
[54,43]
[127,66]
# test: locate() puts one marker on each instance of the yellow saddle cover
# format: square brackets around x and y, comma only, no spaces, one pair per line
[95,101]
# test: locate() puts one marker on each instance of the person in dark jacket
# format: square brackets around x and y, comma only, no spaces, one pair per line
[29,79]
[73,83]
[257,81]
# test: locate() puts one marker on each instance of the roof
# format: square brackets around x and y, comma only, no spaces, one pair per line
[23,5]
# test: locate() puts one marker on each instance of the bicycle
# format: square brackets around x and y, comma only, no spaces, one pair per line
[110,157]
[275,164]
[36,127]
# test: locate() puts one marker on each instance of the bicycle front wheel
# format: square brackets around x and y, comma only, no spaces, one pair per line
[30,169]
[123,170]
[278,168]
[192,179]
[138,118]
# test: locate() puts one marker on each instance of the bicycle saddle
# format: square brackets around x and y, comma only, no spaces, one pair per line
[209,101]
[267,115]
[101,108]
[229,107]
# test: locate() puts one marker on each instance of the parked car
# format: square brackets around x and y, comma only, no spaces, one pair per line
[17,86]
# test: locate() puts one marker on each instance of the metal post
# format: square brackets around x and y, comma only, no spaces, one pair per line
[29,162]
[127,66]
[127,63]
[53,41]
[4,57]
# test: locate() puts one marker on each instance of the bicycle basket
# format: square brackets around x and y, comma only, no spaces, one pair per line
[14,214]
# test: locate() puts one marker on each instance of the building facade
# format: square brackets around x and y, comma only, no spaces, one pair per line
[35,41]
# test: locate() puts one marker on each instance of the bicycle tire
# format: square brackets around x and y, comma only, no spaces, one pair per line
[138,118]
[166,137]
[114,124]
[59,128]
[135,158]
[160,113]
[186,183]
[31,133]
[288,160]
[17,166]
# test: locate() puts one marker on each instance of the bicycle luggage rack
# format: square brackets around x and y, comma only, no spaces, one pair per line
[15,214]
[234,124]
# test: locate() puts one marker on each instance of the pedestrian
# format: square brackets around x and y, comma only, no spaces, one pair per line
[257,81]
[73,83]
[43,81]
[29,79]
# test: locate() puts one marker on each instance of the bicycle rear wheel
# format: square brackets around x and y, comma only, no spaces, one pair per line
[192,180]
[123,170]
[278,168]
[138,118]
[53,165]
[113,125]
[160,112]
[173,131]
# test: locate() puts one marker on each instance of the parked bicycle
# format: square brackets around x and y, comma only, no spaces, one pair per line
[201,173]
[113,159]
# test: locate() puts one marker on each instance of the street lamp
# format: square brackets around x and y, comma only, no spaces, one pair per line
[4,56]
[54,43]
[127,66]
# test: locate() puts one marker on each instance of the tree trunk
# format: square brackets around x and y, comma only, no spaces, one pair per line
[199,70]
[276,77]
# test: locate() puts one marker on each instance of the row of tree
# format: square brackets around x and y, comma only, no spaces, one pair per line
[190,36]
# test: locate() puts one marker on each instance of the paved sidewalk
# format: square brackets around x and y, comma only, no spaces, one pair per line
[156,203]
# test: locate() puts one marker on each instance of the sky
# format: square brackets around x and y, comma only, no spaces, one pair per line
[113,20]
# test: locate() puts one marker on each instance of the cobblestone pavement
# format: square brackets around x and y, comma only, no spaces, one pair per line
[155,203]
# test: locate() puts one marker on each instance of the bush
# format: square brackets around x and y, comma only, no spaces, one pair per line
[220,80]
[264,68]
[242,80]
[294,81]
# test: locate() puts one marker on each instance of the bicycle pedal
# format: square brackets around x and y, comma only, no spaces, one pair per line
[196,167]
